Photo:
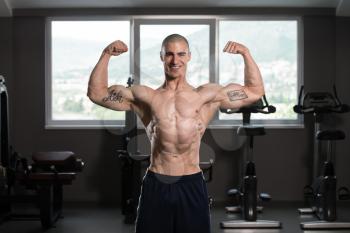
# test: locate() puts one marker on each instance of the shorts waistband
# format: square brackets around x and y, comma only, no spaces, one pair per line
[175,179]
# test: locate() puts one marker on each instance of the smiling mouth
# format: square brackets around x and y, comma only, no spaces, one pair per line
[175,67]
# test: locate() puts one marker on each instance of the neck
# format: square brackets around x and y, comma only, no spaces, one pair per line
[174,83]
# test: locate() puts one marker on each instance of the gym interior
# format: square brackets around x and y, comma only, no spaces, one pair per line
[86,179]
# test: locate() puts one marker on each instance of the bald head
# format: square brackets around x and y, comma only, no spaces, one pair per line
[173,38]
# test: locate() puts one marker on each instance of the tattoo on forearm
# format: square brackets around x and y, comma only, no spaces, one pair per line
[236,95]
[113,96]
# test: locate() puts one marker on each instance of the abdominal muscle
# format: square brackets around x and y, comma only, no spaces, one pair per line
[175,145]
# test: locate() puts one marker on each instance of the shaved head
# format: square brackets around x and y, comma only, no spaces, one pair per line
[174,38]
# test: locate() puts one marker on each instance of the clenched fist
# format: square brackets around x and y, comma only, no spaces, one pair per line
[235,48]
[116,48]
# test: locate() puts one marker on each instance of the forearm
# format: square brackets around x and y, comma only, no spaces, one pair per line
[252,75]
[98,83]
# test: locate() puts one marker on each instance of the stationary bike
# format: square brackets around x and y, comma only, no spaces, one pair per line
[321,195]
[246,194]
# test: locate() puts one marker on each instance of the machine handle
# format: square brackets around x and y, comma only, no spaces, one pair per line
[338,108]
[343,108]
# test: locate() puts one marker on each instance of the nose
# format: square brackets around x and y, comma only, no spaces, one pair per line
[174,59]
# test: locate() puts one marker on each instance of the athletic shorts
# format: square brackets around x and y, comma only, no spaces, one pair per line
[173,204]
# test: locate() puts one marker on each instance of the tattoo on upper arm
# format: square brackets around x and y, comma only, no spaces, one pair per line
[236,95]
[114,96]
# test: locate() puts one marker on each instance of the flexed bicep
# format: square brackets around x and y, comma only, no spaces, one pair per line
[234,96]
[116,97]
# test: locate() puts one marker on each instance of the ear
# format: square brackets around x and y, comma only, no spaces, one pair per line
[189,55]
[161,56]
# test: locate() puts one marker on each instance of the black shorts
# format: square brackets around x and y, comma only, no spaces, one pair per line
[173,204]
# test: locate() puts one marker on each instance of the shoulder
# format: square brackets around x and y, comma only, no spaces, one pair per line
[208,89]
[141,90]
[208,86]
[142,94]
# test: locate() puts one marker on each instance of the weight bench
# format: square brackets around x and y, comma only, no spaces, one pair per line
[46,176]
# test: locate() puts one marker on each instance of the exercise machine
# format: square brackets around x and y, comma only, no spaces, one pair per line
[246,194]
[134,165]
[321,195]
[39,182]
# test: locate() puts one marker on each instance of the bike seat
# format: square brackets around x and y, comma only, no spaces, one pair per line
[330,135]
[139,156]
[251,131]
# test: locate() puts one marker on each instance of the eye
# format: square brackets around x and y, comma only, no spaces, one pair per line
[168,54]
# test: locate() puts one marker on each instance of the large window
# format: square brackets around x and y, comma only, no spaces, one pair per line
[74,47]
[274,46]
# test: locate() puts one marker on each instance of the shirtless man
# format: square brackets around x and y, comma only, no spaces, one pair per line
[174,196]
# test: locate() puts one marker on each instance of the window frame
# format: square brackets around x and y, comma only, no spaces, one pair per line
[268,123]
[76,124]
[135,23]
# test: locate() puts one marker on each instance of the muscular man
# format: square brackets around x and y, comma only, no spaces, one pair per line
[174,196]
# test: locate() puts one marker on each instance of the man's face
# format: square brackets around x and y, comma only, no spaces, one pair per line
[175,56]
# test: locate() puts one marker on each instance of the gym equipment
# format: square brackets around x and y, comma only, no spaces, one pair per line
[134,165]
[246,193]
[40,183]
[133,168]
[321,195]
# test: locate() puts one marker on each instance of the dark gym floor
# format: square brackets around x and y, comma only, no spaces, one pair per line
[89,218]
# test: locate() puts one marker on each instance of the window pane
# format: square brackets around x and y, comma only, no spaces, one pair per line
[76,48]
[151,38]
[273,44]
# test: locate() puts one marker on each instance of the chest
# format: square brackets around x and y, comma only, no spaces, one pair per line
[183,104]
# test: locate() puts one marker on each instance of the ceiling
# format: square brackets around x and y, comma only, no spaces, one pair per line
[7,6]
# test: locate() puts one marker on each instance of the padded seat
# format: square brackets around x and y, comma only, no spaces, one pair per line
[53,157]
[63,161]
[330,135]
[206,165]
[251,131]
[140,157]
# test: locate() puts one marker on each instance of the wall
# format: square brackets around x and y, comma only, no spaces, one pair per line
[6,47]
[343,84]
[282,156]
[6,56]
